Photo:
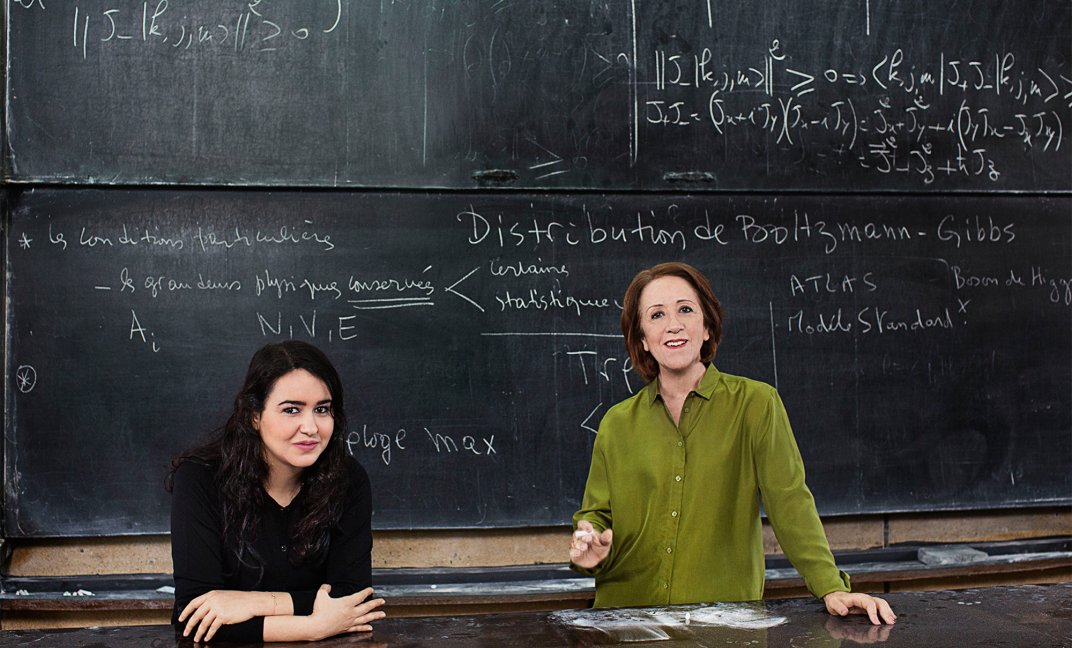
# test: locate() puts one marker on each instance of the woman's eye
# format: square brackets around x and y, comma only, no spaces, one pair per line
[656,315]
[686,309]
[290,410]
[323,409]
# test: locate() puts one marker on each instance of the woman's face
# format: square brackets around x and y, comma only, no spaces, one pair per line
[296,422]
[672,323]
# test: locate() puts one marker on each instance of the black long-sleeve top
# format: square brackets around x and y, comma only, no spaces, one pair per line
[203,562]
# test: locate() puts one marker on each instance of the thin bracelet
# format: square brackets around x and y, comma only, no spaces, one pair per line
[274,607]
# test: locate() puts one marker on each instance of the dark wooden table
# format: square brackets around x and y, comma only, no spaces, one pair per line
[1028,616]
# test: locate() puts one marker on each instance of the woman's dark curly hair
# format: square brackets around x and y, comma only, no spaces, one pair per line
[237,453]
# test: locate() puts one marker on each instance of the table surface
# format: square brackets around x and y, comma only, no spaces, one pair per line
[1030,616]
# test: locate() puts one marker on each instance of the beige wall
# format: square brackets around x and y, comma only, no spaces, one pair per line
[497,547]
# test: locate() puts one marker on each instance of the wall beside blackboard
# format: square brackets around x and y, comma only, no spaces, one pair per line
[921,346]
[872,95]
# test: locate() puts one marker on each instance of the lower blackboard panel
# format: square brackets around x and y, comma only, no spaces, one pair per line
[923,345]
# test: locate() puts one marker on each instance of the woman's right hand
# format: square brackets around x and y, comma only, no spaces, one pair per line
[589,548]
[346,614]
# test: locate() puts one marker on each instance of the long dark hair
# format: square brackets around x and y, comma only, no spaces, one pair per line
[237,453]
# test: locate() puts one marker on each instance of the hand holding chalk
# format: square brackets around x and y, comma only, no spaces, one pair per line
[583,536]
[589,548]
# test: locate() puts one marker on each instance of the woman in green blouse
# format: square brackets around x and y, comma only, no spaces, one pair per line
[677,467]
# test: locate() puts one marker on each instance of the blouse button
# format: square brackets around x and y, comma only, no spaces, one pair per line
[283,548]
[673,513]
[679,444]
[677,478]
[669,550]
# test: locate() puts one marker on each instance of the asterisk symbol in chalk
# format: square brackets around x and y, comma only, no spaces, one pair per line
[26,377]
[24,241]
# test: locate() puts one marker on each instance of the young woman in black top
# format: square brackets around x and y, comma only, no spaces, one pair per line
[272,515]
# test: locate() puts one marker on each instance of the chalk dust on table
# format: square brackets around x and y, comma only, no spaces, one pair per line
[651,624]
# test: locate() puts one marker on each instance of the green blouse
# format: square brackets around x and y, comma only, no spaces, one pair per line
[684,500]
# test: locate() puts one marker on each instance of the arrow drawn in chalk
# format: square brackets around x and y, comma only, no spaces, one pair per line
[451,290]
[584,423]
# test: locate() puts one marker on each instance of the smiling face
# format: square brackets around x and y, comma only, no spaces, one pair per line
[296,423]
[672,324]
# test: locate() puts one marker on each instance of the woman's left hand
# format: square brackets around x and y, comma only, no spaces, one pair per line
[216,608]
[844,603]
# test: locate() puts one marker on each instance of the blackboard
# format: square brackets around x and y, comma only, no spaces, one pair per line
[922,344]
[876,95]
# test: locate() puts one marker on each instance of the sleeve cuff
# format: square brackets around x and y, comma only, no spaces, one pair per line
[303,602]
[841,584]
[250,631]
[584,570]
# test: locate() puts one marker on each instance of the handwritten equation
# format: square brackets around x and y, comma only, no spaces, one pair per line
[872,96]
[935,117]
[246,26]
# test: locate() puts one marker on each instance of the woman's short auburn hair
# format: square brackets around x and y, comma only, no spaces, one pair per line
[643,362]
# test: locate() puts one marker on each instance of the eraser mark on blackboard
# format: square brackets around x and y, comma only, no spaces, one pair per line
[688,176]
[495,176]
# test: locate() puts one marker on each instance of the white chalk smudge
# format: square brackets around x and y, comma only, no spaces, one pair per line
[651,624]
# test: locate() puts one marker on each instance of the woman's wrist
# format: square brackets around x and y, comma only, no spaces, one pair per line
[271,604]
[292,628]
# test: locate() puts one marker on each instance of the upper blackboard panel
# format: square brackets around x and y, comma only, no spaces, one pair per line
[628,94]
[921,344]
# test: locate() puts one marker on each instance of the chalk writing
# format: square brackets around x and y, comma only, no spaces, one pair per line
[246,26]
[926,119]
[464,356]
[512,233]
[1060,288]
[382,442]
[811,102]
[150,238]
[385,445]
[868,320]
[202,238]
[446,444]
[26,378]
[136,329]
[965,231]
[831,283]
[521,269]
[550,300]
[56,238]
[666,229]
